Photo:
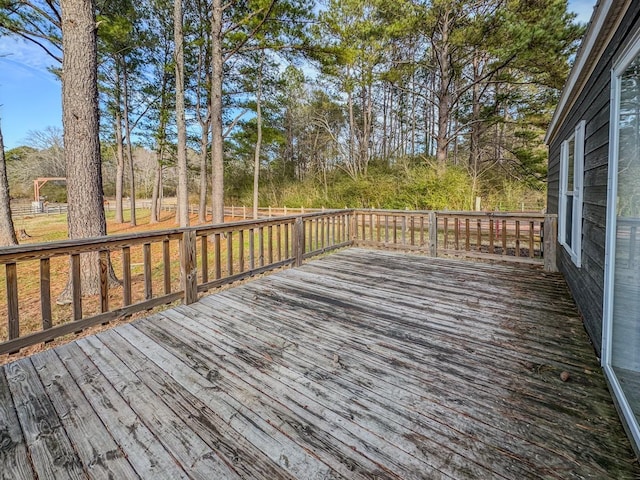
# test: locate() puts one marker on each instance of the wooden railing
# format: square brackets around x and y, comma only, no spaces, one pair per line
[153,268]
[161,267]
[521,237]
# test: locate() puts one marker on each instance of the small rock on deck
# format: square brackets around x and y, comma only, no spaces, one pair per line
[363,364]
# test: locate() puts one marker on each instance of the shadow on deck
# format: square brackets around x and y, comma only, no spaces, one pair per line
[363,364]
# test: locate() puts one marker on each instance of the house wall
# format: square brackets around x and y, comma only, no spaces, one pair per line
[587,283]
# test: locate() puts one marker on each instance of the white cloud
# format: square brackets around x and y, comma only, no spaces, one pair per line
[25,53]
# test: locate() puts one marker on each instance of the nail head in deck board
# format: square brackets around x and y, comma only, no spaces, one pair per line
[49,447]
[13,449]
[99,454]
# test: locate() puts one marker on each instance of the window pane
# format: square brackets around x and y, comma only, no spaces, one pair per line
[569,220]
[626,287]
[570,164]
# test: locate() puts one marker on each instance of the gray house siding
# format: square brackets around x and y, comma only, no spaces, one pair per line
[587,283]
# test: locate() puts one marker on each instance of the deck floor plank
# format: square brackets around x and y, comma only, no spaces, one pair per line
[296,366]
[292,418]
[50,449]
[246,459]
[15,462]
[399,323]
[206,383]
[189,450]
[362,364]
[100,454]
[409,391]
[392,356]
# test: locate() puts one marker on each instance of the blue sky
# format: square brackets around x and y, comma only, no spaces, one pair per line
[30,95]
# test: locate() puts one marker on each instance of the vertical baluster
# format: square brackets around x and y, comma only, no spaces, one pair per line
[104,281]
[517,238]
[403,225]
[12,300]
[422,230]
[279,241]
[148,288]
[412,232]
[395,230]
[504,237]
[229,253]
[45,293]
[378,227]
[76,288]
[371,226]
[252,249]
[261,246]
[317,235]
[327,222]
[217,257]
[166,262]
[270,243]
[241,250]
[287,253]
[456,230]
[467,235]
[126,276]
[363,226]
[479,235]
[531,245]
[445,227]
[386,229]
[491,232]
[204,249]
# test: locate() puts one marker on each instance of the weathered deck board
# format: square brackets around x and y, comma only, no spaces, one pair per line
[363,364]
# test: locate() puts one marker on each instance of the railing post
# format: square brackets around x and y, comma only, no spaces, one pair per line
[188,267]
[550,242]
[433,234]
[298,241]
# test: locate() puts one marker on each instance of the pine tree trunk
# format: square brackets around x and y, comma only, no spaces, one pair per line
[183,193]
[127,132]
[217,161]
[155,194]
[204,142]
[85,216]
[119,168]
[256,158]
[7,232]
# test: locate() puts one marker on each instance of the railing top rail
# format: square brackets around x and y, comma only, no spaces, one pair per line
[35,251]
[455,213]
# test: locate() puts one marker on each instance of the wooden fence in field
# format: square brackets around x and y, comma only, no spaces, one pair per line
[160,267]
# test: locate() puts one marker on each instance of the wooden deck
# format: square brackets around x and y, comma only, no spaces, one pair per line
[363,364]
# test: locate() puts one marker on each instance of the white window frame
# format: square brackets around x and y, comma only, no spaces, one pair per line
[620,65]
[575,249]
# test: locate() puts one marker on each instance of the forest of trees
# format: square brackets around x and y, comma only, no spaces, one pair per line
[410,103]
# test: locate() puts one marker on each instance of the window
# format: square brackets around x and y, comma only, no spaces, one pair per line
[570,207]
